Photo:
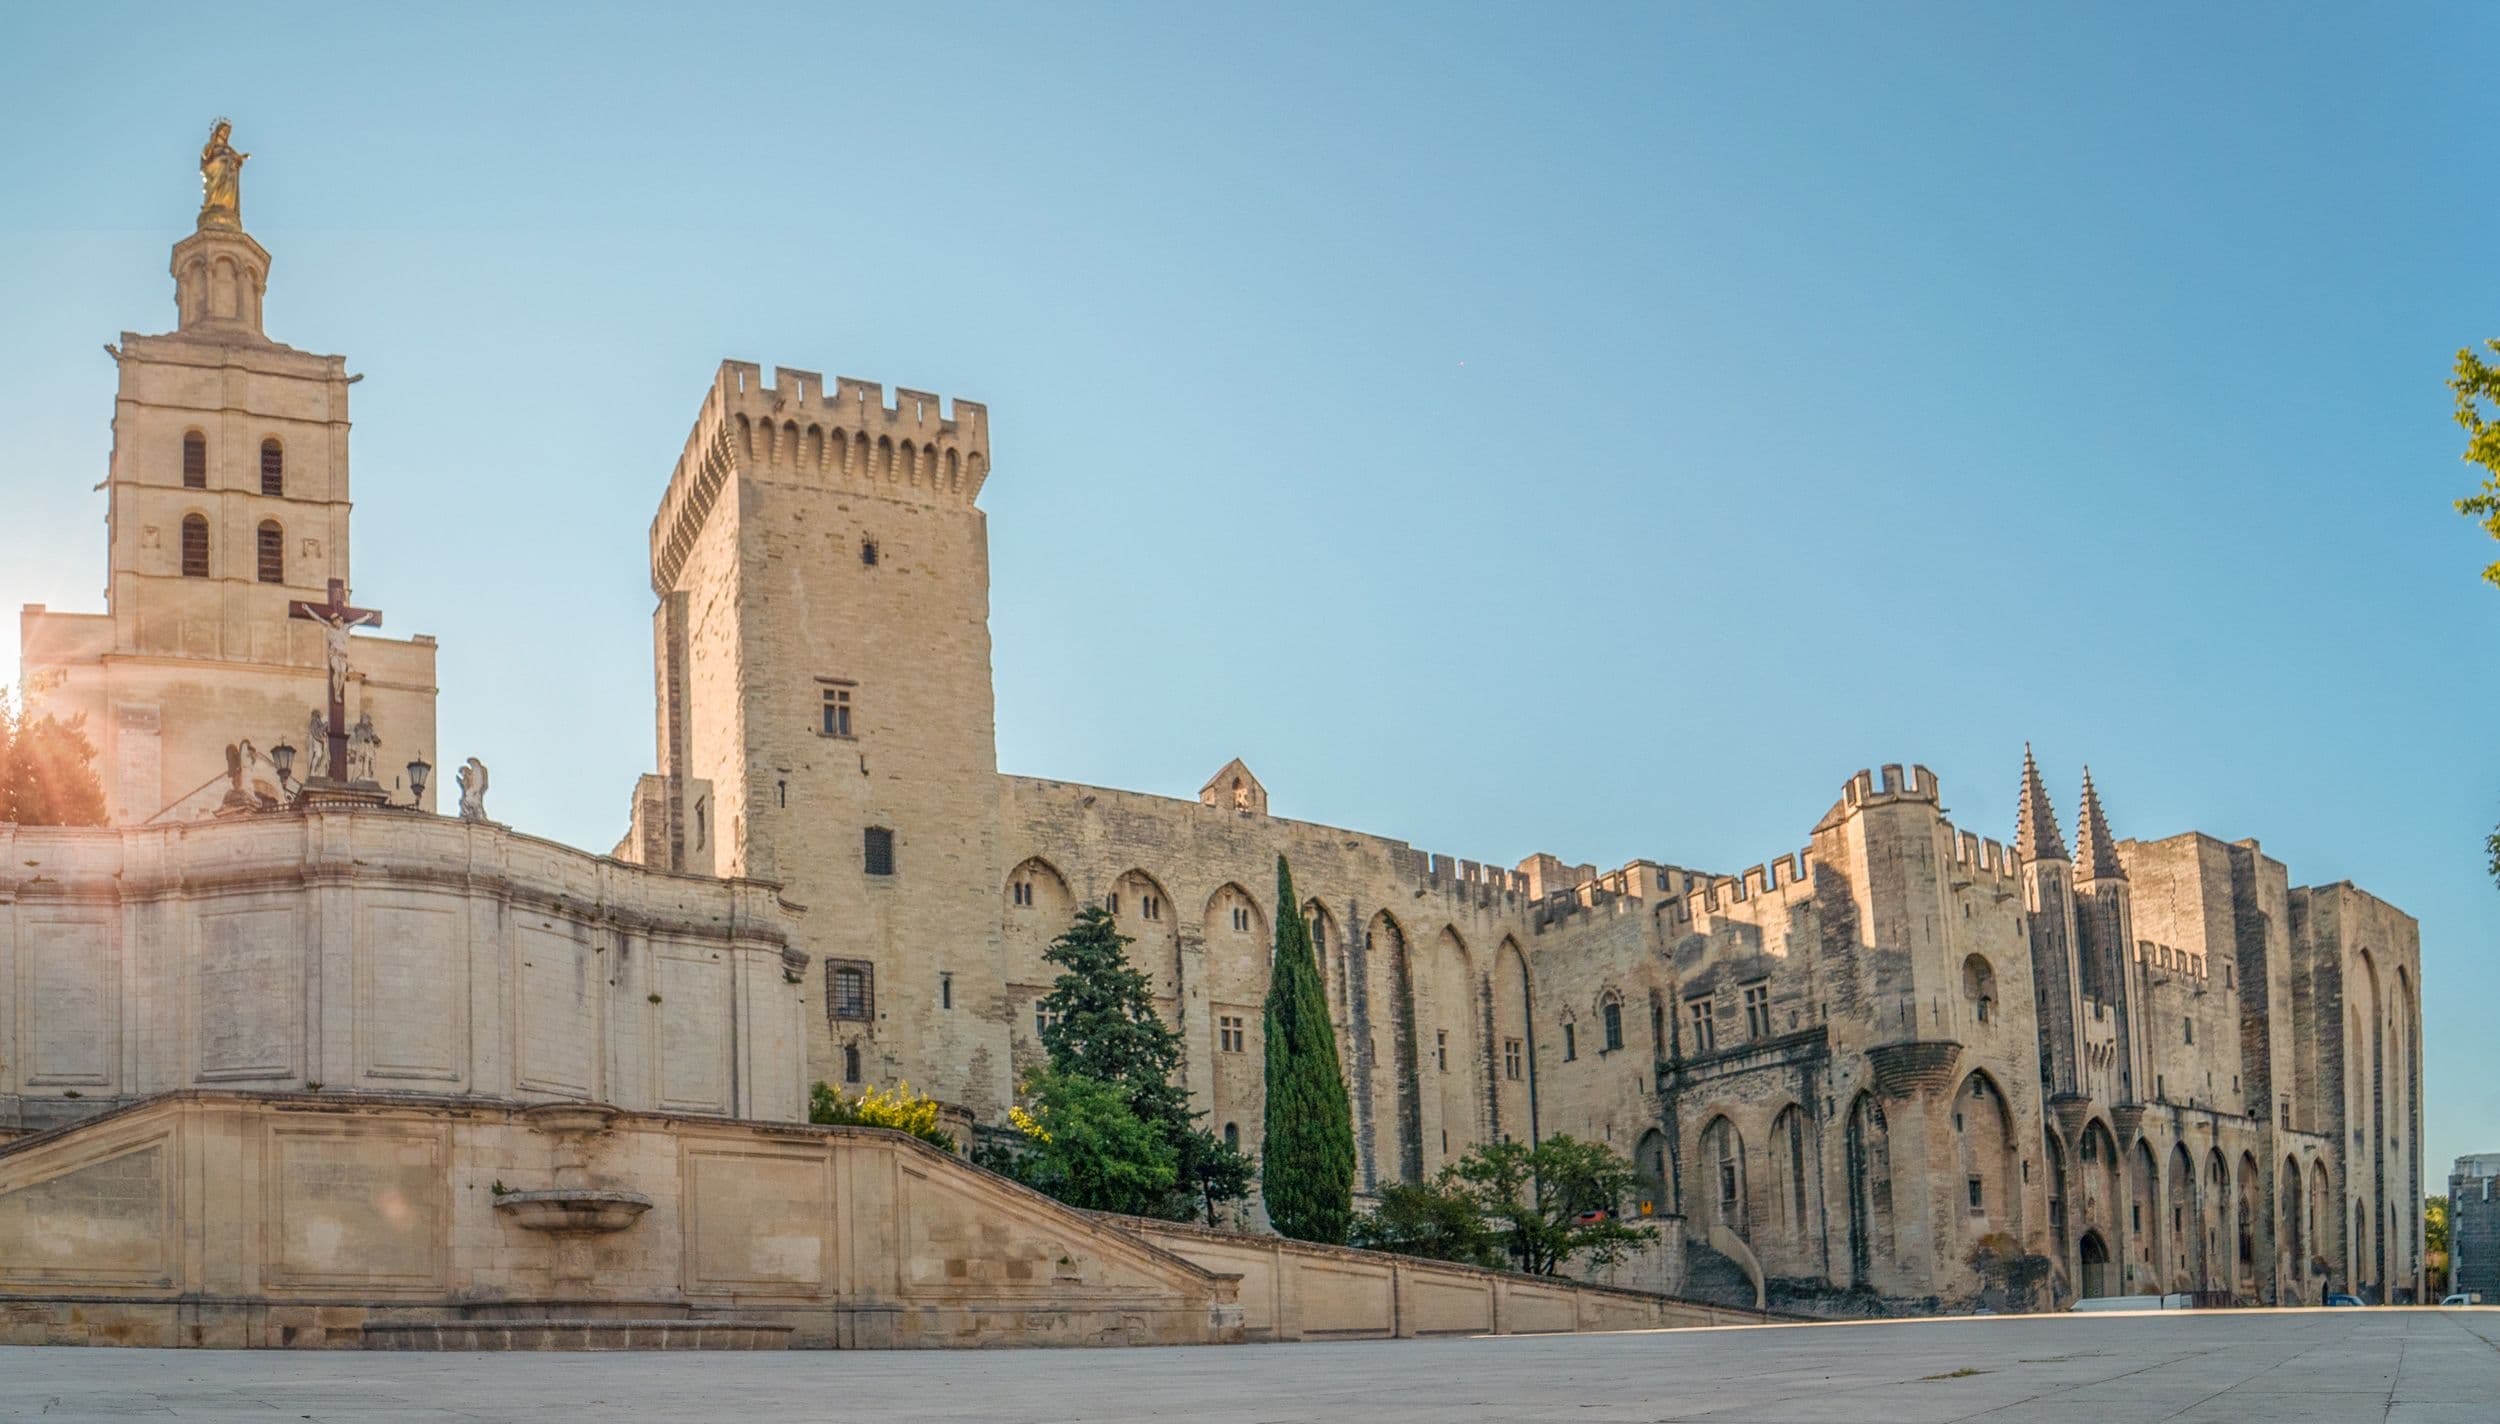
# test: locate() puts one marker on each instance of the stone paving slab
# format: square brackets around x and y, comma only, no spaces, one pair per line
[2406,1366]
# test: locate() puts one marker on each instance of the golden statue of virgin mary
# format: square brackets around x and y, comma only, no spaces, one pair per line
[221,180]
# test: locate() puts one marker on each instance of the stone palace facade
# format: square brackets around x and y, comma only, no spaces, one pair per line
[1880,1072]
[1857,1071]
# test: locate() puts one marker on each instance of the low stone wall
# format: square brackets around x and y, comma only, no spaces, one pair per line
[1293,1290]
[231,1219]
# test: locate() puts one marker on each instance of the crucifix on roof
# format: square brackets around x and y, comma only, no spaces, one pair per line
[335,617]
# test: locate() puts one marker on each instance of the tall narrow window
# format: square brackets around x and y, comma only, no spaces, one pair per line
[946,990]
[1757,1011]
[1150,906]
[194,546]
[272,552]
[1441,1048]
[877,851]
[1232,1136]
[195,461]
[1614,1025]
[1705,1027]
[837,712]
[1023,894]
[272,467]
[1510,1059]
[850,1063]
[1571,1042]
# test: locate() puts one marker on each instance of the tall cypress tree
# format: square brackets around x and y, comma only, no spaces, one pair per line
[1308,1160]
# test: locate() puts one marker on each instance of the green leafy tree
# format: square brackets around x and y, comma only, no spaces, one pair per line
[1556,1201]
[1438,1220]
[2435,1242]
[1100,1023]
[47,770]
[2477,384]
[898,1108]
[1083,1142]
[1308,1165]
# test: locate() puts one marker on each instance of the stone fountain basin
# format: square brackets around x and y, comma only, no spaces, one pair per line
[563,1210]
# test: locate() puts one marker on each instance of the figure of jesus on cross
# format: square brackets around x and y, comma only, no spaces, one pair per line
[335,618]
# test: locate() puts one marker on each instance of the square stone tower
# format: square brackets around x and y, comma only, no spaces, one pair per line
[227,497]
[824,710]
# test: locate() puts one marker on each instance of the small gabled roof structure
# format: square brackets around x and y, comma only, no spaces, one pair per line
[1234,789]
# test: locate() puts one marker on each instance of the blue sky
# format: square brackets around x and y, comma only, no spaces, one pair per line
[1567,428]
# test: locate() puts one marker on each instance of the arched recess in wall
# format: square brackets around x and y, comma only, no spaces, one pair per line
[1143,911]
[1511,1056]
[1396,1089]
[1233,931]
[2290,1246]
[1649,1160]
[2323,1225]
[2408,1094]
[1989,1196]
[1450,1050]
[2184,1221]
[2061,1186]
[1328,946]
[1721,1152]
[1979,988]
[1790,1151]
[2098,1200]
[1036,909]
[2145,1228]
[2214,1270]
[2369,1090]
[1867,1148]
[2246,1244]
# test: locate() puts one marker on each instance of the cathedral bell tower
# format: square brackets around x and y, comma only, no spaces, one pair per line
[227,500]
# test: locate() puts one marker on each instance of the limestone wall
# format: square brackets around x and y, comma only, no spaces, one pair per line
[1292,1290]
[382,951]
[232,1220]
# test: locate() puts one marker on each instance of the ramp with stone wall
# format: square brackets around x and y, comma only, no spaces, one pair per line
[1293,1290]
[231,1219]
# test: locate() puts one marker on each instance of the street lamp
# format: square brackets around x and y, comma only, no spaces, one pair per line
[282,757]
[418,771]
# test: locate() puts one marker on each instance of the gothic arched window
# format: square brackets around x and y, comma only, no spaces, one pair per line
[195,546]
[272,552]
[272,467]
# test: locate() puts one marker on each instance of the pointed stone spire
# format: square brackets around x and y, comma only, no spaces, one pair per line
[2035,821]
[2096,855]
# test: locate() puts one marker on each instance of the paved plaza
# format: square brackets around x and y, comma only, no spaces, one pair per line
[2415,1366]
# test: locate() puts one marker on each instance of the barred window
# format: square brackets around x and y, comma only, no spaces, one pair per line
[272,552]
[850,990]
[272,467]
[194,461]
[194,546]
[877,851]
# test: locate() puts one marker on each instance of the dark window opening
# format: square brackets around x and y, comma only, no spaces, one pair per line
[850,1063]
[194,546]
[272,468]
[194,461]
[272,553]
[1977,1199]
[877,850]
[868,552]
[946,991]
[1571,1042]
[1614,1026]
[850,990]
[1232,1136]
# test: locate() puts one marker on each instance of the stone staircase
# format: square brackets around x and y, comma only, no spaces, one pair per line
[1710,1276]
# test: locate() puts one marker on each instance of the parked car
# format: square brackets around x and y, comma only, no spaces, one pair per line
[2340,1298]
[2460,1298]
